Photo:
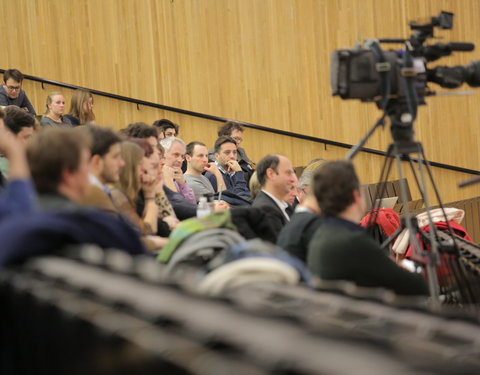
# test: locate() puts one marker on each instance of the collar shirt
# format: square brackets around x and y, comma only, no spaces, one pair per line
[281,204]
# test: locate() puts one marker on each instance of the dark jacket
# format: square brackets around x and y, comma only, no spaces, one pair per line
[278,219]
[183,209]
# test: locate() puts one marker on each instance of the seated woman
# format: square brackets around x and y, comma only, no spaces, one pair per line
[81,108]
[54,113]
[134,177]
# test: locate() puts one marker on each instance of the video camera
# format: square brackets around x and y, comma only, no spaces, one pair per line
[371,74]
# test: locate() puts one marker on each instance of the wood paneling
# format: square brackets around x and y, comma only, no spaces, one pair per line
[259,61]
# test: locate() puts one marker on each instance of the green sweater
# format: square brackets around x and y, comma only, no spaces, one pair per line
[341,250]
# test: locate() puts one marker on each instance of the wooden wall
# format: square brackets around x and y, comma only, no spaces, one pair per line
[259,61]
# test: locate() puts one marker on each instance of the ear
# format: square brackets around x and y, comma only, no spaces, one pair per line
[270,173]
[188,158]
[96,163]
[216,155]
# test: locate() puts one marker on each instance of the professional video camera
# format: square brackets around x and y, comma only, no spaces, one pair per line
[370,74]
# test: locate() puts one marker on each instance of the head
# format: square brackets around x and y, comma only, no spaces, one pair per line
[130,175]
[151,160]
[167,128]
[105,160]
[19,123]
[337,190]
[197,157]
[174,151]
[13,79]
[59,162]
[81,106]
[225,150]
[233,130]
[306,178]
[275,175]
[55,104]
[143,131]
[254,185]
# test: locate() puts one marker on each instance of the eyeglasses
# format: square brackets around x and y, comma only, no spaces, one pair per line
[14,88]
[237,139]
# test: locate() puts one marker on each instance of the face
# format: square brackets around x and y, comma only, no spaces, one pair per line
[88,105]
[284,178]
[112,164]
[199,158]
[24,134]
[170,132]
[228,151]
[80,176]
[237,136]
[58,105]
[13,88]
[174,157]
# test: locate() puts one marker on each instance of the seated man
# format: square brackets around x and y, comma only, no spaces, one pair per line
[276,177]
[21,125]
[197,163]
[166,128]
[11,93]
[235,131]
[298,232]
[172,170]
[18,197]
[226,162]
[341,249]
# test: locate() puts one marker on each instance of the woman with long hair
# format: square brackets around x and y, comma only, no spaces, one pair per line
[81,108]
[55,106]
[135,178]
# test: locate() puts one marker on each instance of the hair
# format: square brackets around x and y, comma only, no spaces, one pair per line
[102,138]
[333,186]
[16,119]
[50,152]
[128,182]
[79,98]
[269,161]
[165,124]
[147,147]
[2,112]
[307,174]
[222,140]
[191,146]
[140,130]
[254,185]
[14,74]
[167,143]
[229,127]
[50,99]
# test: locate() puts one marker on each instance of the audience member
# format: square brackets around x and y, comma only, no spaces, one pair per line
[55,106]
[166,128]
[341,249]
[21,125]
[11,92]
[276,177]
[296,235]
[172,171]
[18,194]
[81,108]
[197,163]
[254,185]
[227,164]
[105,164]
[235,131]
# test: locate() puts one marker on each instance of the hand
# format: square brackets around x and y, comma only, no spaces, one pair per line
[158,241]
[168,173]
[149,184]
[178,175]
[212,168]
[221,206]
[233,166]
[171,220]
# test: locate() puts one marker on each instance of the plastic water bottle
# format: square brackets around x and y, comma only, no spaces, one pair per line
[203,208]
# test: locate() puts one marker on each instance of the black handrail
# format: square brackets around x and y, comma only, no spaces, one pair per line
[139,102]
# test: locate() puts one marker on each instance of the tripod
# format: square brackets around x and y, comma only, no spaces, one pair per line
[403,148]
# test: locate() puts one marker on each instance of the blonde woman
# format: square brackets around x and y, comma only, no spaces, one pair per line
[81,108]
[55,106]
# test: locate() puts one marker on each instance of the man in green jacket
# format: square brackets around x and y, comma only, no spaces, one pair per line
[341,249]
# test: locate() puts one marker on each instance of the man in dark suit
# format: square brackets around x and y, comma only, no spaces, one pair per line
[276,177]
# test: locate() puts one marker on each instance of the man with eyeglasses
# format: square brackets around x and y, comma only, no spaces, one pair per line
[11,92]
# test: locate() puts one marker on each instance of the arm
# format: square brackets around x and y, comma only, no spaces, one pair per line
[213,170]
[187,192]
[27,105]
